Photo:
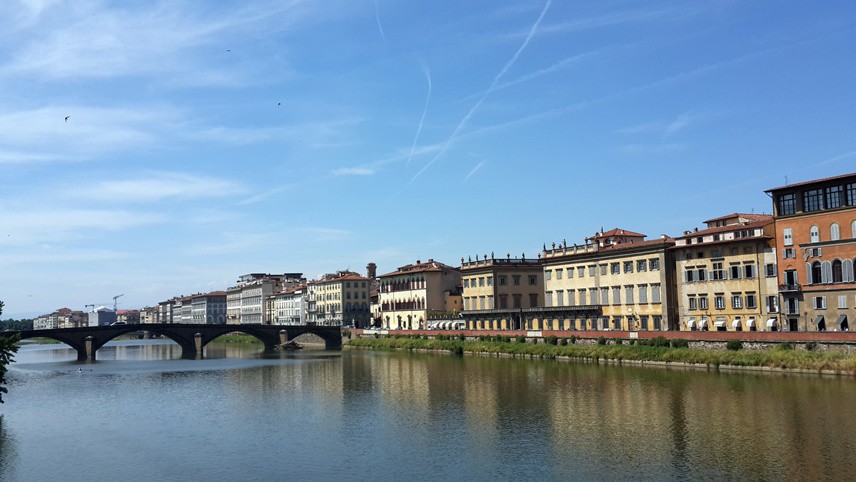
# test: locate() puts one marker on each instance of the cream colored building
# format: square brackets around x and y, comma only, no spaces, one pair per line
[247,302]
[340,299]
[412,294]
[728,275]
[630,279]
[496,290]
[290,306]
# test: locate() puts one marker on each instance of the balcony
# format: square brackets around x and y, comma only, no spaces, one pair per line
[790,288]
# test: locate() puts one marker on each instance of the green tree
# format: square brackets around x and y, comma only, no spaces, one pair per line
[8,348]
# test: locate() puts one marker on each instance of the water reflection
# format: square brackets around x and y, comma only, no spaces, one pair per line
[399,415]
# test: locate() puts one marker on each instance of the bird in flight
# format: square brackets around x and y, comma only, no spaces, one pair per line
[279,103]
[66,118]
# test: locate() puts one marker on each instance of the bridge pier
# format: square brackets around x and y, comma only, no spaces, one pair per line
[283,337]
[89,355]
[197,342]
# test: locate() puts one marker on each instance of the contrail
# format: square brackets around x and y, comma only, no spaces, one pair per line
[478,166]
[424,111]
[377,18]
[490,89]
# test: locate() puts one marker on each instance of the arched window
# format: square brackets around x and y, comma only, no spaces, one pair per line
[837,271]
[816,273]
[834,232]
[814,234]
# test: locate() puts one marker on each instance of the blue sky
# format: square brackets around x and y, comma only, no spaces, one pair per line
[210,139]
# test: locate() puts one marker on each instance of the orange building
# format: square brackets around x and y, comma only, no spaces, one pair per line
[815,225]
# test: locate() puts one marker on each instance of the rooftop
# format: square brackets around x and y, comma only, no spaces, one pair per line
[420,267]
[825,179]
[751,217]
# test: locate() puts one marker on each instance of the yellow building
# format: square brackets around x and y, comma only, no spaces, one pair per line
[496,290]
[340,299]
[412,294]
[630,279]
[728,275]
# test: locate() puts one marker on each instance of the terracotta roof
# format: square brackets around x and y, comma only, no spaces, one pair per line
[650,242]
[419,267]
[725,229]
[347,277]
[213,293]
[617,232]
[825,179]
[751,217]
[291,290]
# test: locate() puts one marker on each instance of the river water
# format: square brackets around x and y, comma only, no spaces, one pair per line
[141,413]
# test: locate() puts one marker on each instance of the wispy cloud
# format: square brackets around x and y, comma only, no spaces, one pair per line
[353,171]
[665,128]
[473,171]
[377,19]
[653,148]
[490,89]
[157,187]
[424,111]
[23,226]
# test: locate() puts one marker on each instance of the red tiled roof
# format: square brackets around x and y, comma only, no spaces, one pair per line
[730,227]
[825,179]
[617,232]
[430,265]
[650,242]
[347,277]
[751,217]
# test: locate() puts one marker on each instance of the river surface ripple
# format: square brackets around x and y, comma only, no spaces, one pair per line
[141,413]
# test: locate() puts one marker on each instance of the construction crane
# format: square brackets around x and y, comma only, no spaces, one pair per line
[115,305]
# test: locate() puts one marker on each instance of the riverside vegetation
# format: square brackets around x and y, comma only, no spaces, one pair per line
[784,356]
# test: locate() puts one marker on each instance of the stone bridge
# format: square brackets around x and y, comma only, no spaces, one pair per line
[191,337]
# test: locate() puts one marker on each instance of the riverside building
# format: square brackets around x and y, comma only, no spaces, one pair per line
[413,293]
[290,306]
[728,275]
[497,290]
[629,281]
[339,299]
[815,225]
[246,301]
[208,308]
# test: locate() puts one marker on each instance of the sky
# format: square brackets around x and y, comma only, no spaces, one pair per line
[157,148]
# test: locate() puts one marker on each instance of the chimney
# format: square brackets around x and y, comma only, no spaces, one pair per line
[418,261]
[371,271]
[695,230]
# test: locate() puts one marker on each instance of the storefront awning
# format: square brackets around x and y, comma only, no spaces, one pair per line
[842,319]
[691,323]
[750,322]
[719,324]
[771,322]
[736,322]
[818,320]
[703,322]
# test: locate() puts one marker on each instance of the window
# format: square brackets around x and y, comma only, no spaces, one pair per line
[813,200]
[814,234]
[655,293]
[571,298]
[702,302]
[701,274]
[548,298]
[616,295]
[693,303]
[548,275]
[641,265]
[628,295]
[834,232]
[481,281]
[717,273]
[581,271]
[490,280]
[558,274]
[787,204]
[735,271]
[751,301]
[748,270]
[689,275]
[570,273]
[815,252]
[851,194]
[560,297]
[837,271]
[772,304]
[736,302]
[517,301]
[533,300]
[770,270]
[789,236]
[582,297]
[643,294]
[816,273]
[654,264]
[591,270]
[628,266]
[593,298]
[516,280]
[602,269]
[533,280]
[842,301]
[789,253]
[615,268]
[820,302]
[833,197]
[604,296]
[503,280]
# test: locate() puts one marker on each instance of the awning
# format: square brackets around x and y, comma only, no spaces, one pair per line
[691,323]
[842,319]
[771,322]
[818,319]
[736,322]
[703,322]
[750,322]
[719,324]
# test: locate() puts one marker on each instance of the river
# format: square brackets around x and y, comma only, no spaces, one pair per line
[142,413]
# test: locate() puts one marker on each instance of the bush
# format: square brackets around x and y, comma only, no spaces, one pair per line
[563,342]
[632,342]
[346,334]
[461,337]
[810,346]
[457,350]
[680,343]
[601,340]
[785,346]
[520,339]
[734,345]
[376,336]
[618,341]
[552,340]
[573,339]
